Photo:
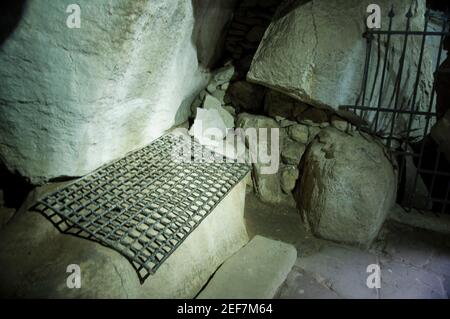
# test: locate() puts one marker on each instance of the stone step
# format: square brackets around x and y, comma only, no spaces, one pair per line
[255,272]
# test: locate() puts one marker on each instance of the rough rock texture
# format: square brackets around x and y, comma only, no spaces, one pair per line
[292,152]
[347,188]
[255,272]
[315,51]
[267,186]
[299,133]
[34,257]
[73,99]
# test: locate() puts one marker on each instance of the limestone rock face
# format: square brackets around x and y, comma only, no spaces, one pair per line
[267,185]
[347,188]
[315,52]
[74,99]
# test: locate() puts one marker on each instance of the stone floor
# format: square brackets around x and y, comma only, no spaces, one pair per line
[414,263]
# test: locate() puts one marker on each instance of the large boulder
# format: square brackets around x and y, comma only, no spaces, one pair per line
[315,51]
[74,99]
[347,188]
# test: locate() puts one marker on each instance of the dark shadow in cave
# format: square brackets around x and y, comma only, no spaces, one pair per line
[15,188]
[10,16]
[287,7]
[207,55]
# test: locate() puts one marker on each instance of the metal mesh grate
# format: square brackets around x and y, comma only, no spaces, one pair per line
[405,124]
[146,204]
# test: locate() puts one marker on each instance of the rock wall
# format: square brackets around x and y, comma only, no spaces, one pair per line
[315,52]
[251,19]
[74,99]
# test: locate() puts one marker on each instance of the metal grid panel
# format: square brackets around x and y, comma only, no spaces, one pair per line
[146,204]
[430,166]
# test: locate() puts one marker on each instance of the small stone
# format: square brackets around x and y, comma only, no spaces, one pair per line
[309,123]
[202,95]
[288,178]
[197,102]
[211,102]
[286,123]
[267,186]
[248,96]
[225,86]
[230,109]
[292,152]
[223,75]
[313,132]
[299,133]
[219,95]
[212,87]
[339,123]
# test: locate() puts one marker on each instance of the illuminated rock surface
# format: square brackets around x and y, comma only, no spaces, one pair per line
[74,99]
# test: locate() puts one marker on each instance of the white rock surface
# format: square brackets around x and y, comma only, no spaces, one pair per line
[212,103]
[347,188]
[254,272]
[315,51]
[73,99]
[34,257]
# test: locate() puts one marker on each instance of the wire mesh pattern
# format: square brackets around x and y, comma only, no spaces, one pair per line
[391,67]
[146,204]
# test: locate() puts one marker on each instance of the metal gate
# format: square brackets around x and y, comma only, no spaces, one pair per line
[395,66]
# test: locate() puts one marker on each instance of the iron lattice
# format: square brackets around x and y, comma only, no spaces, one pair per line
[146,204]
